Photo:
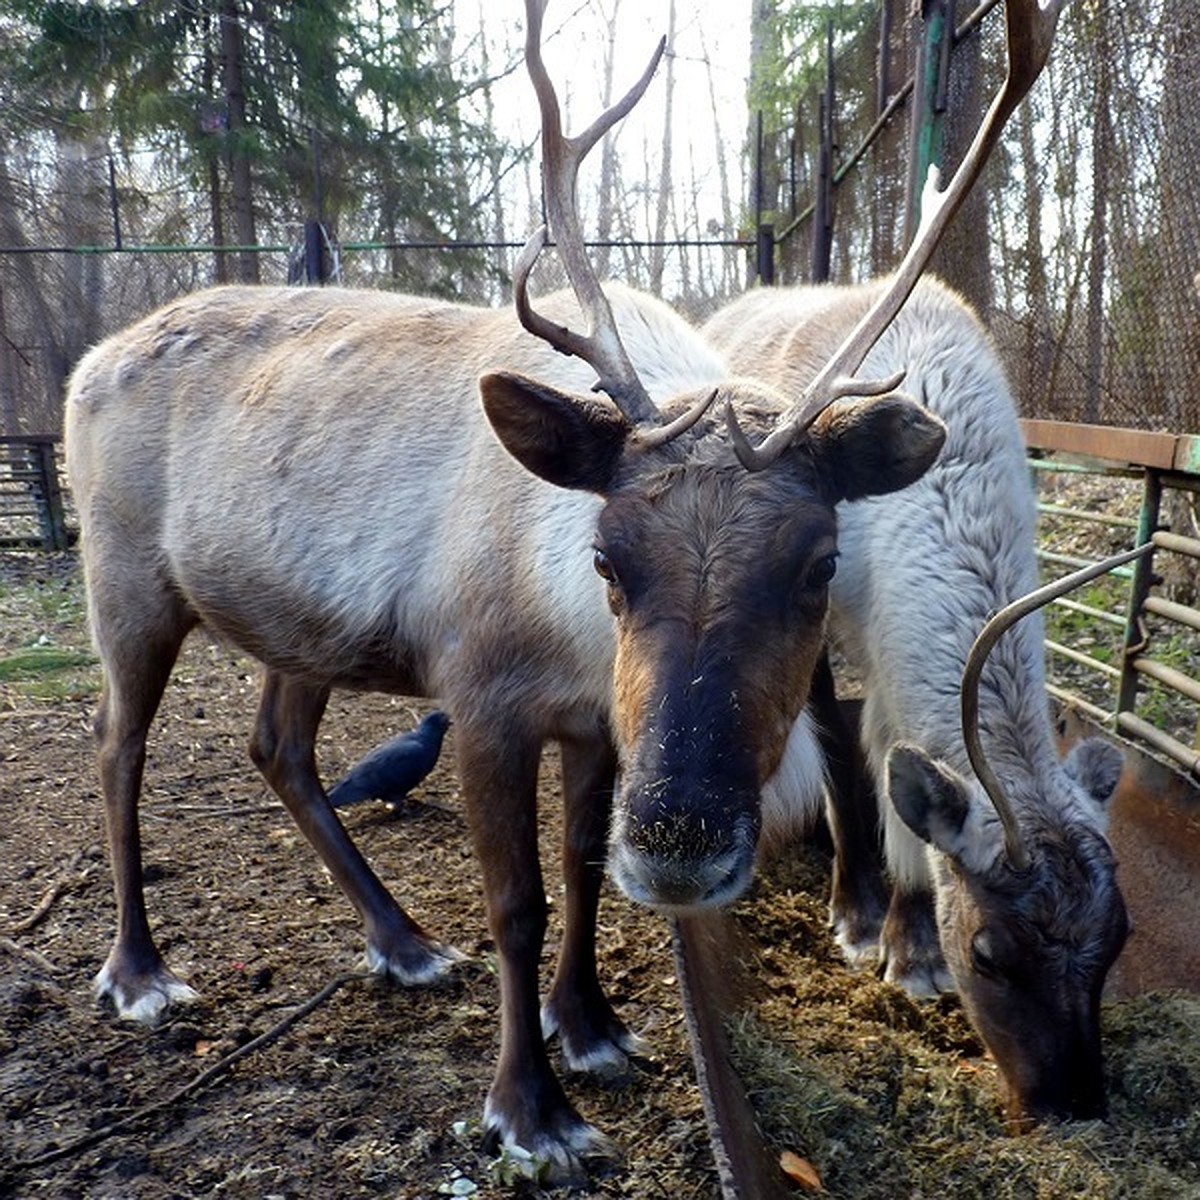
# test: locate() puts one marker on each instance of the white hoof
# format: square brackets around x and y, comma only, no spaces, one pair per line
[560,1155]
[145,998]
[412,970]
[606,1056]
[922,982]
[859,953]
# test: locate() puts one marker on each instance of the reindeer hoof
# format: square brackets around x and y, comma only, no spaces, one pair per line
[420,963]
[568,1152]
[142,996]
[859,948]
[921,980]
[595,1044]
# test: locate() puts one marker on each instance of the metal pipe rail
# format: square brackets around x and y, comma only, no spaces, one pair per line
[1157,462]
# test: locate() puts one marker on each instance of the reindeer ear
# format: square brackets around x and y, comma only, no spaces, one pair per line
[942,808]
[869,447]
[1096,765]
[570,441]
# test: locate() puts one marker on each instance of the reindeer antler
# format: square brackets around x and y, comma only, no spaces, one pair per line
[989,635]
[561,156]
[1030,30]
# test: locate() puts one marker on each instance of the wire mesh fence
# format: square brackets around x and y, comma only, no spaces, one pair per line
[1081,243]
[1080,246]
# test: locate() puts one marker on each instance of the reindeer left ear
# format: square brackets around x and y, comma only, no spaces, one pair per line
[570,441]
[942,808]
[870,447]
[1096,765]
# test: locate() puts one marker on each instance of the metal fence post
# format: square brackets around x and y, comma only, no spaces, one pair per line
[929,105]
[764,254]
[1139,588]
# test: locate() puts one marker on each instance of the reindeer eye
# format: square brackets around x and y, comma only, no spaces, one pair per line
[821,573]
[604,568]
[982,958]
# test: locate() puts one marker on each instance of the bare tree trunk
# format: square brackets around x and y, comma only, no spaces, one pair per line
[963,259]
[41,311]
[82,183]
[495,155]
[1035,360]
[658,252]
[724,285]
[1180,245]
[215,205]
[764,173]
[1102,141]
[239,159]
[608,152]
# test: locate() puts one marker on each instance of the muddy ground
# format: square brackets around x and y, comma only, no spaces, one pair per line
[378,1091]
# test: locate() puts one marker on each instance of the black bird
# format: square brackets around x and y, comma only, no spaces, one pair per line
[394,768]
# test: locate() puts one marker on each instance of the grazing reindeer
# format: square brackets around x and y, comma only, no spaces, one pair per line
[1030,928]
[1029,918]
[311,475]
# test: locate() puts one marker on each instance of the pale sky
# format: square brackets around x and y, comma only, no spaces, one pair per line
[711,47]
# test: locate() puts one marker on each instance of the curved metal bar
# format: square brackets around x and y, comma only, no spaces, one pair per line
[991,633]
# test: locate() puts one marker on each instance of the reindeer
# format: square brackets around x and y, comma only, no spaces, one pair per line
[1029,917]
[311,475]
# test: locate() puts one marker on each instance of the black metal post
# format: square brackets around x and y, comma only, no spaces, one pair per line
[822,243]
[765,253]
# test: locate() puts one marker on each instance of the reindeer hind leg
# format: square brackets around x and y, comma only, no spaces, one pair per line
[138,626]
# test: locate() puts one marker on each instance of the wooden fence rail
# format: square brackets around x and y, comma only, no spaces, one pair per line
[1158,463]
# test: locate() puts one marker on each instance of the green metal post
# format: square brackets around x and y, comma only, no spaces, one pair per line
[1139,589]
[926,143]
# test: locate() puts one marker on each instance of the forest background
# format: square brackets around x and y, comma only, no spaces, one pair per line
[154,148]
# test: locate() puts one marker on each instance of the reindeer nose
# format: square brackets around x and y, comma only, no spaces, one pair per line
[671,882]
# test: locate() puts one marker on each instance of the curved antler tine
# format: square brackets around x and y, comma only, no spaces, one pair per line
[606,120]
[558,337]
[991,633]
[1029,32]
[530,318]
[649,437]
[755,458]
[561,156]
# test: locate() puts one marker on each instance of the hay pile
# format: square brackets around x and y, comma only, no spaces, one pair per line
[889,1098]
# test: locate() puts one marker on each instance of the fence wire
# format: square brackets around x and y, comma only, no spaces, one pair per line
[1081,243]
[1080,247]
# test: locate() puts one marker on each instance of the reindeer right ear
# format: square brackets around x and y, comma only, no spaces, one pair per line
[874,446]
[570,441]
[941,808]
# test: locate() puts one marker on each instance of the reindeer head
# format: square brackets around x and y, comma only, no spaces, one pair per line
[1030,917]
[1028,943]
[718,580]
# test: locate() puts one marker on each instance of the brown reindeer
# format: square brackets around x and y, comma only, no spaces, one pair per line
[311,476]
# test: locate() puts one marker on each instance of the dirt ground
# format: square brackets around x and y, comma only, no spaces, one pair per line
[378,1091]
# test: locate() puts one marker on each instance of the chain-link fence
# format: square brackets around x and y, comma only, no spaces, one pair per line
[1080,245]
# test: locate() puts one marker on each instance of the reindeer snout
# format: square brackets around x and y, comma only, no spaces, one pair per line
[683,861]
[673,883]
